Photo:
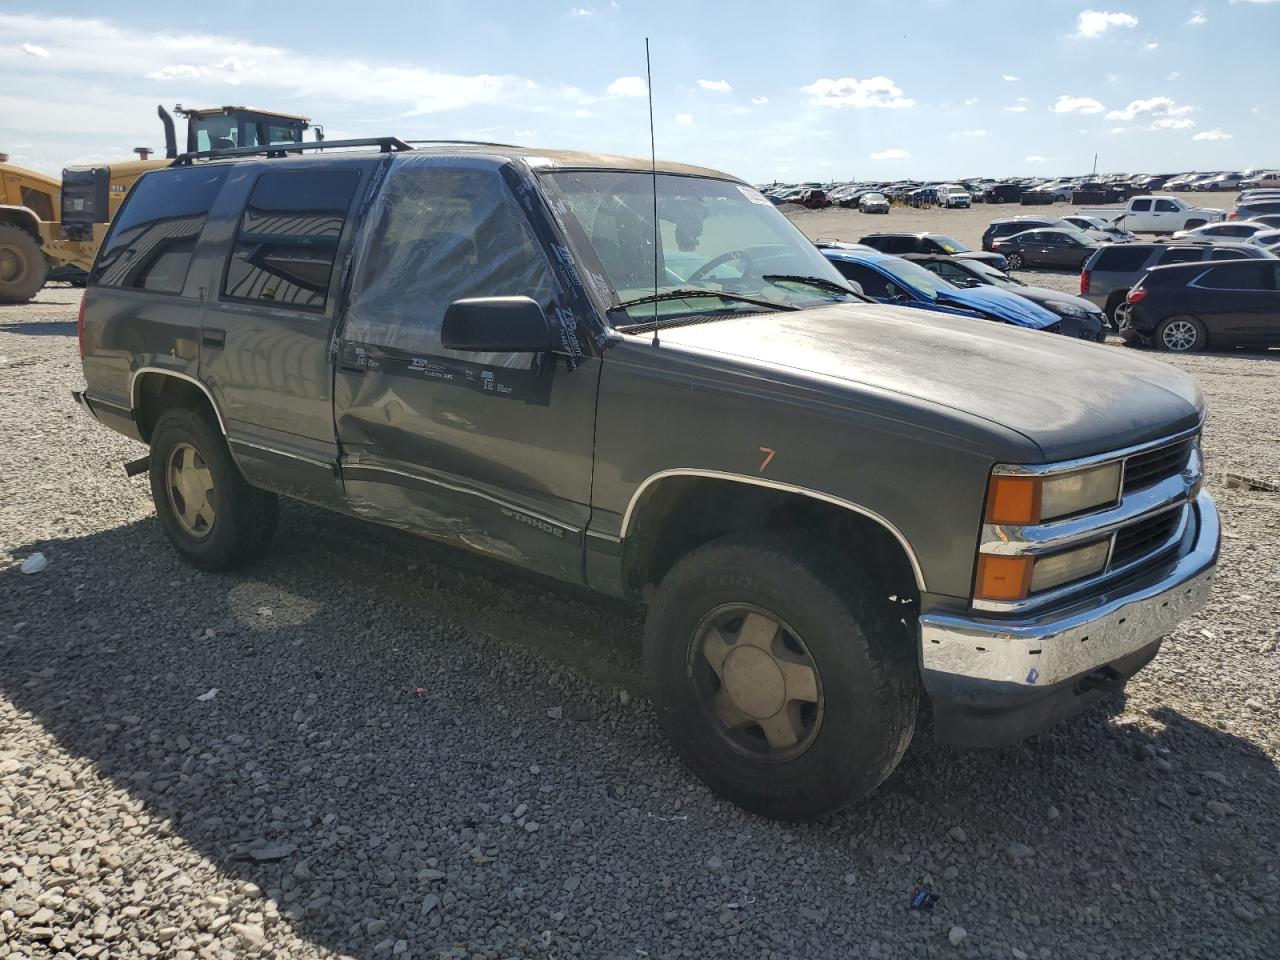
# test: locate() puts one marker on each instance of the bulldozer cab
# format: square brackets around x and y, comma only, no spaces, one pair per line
[227,128]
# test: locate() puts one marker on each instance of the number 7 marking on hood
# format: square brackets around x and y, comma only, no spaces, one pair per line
[768,455]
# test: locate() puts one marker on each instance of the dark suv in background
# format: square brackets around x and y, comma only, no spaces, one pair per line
[1194,306]
[939,243]
[1110,273]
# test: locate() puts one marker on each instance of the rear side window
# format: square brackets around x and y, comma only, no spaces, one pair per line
[1226,253]
[288,238]
[1122,258]
[1141,206]
[1253,275]
[150,244]
[1180,255]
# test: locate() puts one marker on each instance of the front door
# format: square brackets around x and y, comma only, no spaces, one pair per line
[488,451]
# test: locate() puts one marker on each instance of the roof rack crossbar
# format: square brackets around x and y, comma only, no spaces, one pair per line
[385,144]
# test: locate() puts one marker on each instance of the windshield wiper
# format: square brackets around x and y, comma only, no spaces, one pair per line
[820,282]
[694,293]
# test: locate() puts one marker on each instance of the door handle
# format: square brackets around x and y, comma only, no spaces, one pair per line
[213,337]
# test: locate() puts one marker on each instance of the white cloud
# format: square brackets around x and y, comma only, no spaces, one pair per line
[1197,17]
[32,50]
[627,87]
[582,12]
[525,134]
[879,91]
[759,100]
[1163,113]
[1150,45]
[893,153]
[1067,104]
[684,119]
[970,101]
[1118,130]
[1214,134]
[1173,76]
[1017,108]
[1009,77]
[1094,23]
[719,86]
[1035,158]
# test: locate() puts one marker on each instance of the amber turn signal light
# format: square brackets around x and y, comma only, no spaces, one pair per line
[1014,499]
[1003,578]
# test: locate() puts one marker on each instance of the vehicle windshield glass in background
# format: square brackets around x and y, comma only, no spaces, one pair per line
[950,244]
[993,275]
[915,276]
[1078,236]
[713,234]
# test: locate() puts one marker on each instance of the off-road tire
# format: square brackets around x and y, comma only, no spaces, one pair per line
[863,654]
[245,517]
[1165,338]
[23,268]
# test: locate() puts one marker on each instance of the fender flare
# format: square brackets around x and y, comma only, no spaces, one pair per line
[133,391]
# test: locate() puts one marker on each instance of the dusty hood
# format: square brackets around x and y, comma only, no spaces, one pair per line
[1070,397]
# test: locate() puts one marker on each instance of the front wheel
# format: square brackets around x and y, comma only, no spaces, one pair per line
[1180,334]
[1015,261]
[782,680]
[210,513]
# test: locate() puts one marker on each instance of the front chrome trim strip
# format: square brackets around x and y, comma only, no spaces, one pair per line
[133,391]
[774,485]
[1068,466]
[281,453]
[1048,648]
[468,491]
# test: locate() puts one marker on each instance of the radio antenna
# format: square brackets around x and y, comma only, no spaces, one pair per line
[653,168]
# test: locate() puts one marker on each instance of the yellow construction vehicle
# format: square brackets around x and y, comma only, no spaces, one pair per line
[51,230]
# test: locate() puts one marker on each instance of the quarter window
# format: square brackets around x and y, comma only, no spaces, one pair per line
[154,235]
[288,238]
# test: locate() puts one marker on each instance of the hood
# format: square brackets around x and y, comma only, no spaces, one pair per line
[1045,294]
[1001,303]
[1069,397]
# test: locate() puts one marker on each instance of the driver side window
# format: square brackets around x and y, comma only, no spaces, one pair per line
[436,234]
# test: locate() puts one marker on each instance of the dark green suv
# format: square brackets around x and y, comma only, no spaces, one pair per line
[832,508]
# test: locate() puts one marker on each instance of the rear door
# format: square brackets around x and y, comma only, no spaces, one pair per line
[1239,301]
[492,452]
[269,318]
[1139,217]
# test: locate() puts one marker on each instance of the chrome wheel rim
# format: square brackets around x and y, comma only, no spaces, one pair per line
[1015,261]
[757,683]
[190,487]
[1122,314]
[1179,335]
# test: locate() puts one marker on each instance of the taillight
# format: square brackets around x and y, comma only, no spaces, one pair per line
[80,324]
[1232,215]
[1136,296]
[1084,282]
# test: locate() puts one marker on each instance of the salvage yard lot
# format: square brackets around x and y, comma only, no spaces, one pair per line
[370,745]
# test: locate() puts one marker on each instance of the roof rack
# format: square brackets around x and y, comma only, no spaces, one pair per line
[468,143]
[386,145]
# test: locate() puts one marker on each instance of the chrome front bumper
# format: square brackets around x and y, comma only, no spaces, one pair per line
[1039,651]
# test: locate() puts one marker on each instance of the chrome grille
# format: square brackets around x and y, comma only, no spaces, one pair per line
[1145,469]
[1145,538]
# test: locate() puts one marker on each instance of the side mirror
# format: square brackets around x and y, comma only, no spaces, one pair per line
[496,325]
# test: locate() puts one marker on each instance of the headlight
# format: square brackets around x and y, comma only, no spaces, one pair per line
[1021,499]
[1064,309]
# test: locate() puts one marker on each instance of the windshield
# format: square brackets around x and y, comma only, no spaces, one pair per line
[915,276]
[991,275]
[713,234]
[1078,236]
[949,244]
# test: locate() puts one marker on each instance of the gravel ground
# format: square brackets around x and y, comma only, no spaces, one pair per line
[368,745]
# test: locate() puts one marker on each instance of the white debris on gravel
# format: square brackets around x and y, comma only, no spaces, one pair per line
[136,822]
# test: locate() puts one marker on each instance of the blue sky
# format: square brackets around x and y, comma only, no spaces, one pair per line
[868,89]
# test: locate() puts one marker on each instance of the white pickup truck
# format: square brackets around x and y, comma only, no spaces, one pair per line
[1155,214]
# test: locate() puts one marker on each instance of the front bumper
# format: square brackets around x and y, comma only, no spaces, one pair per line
[995,681]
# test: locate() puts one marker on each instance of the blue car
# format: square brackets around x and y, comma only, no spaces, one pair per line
[890,279]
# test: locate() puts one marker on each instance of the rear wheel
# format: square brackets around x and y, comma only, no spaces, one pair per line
[1122,315]
[23,268]
[1180,334]
[1015,261]
[214,518]
[782,680]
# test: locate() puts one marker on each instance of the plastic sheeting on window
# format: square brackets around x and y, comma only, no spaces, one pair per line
[442,228]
